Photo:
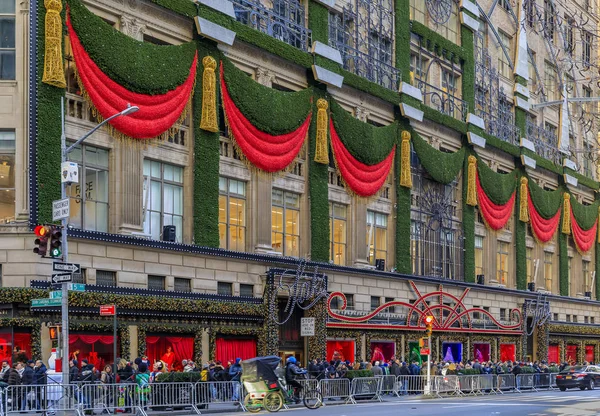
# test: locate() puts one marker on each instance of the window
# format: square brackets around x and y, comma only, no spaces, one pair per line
[7,39]
[416,69]
[285,223]
[529,263]
[163,198]
[450,82]
[232,214]
[568,318]
[548,270]
[552,130]
[246,290]
[7,173]
[79,277]
[586,320]
[586,49]
[391,309]
[338,238]
[585,271]
[337,34]
[478,255]
[569,35]
[106,278]
[503,314]
[89,197]
[549,22]
[556,317]
[531,12]
[476,314]
[380,48]
[376,237]
[225,288]
[182,285]
[418,11]
[502,262]
[375,302]
[349,301]
[550,81]
[592,319]
[575,318]
[503,63]
[156,282]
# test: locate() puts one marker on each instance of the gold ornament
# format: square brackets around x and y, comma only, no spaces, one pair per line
[471,182]
[208,120]
[54,73]
[566,225]
[405,176]
[321,151]
[523,211]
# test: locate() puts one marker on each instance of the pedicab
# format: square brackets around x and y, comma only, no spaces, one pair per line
[266,388]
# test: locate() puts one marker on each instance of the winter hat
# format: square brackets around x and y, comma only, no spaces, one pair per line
[142,367]
[237,360]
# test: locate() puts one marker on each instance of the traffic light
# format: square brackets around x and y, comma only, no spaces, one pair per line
[428,325]
[42,232]
[55,241]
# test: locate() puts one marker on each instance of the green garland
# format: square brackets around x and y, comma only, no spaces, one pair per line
[468,223]
[468,76]
[206,165]
[34,325]
[520,242]
[171,329]
[499,187]
[586,215]
[547,203]
[269,110]
[402,9]
[240,331]
[583,180]
[138,66]
[318,22]
[367,143]
[443,167]
[318,191]
[270,327]
[317,344]
[443,119]
[543,163]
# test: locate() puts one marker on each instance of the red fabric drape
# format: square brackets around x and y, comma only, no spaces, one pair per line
[183,348]
[571,354]
[496,216]
[91,339]
[364,180]
[340,350]
[589,353]
[481,351]
[265,151]
[543,229]
[230,349]
[508,352]
[553,354]
[583,238]
[96,348]
[157,113]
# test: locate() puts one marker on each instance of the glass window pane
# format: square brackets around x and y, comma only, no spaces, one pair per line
[102,158]
[102,186]
[155,225]
[292,217]
[101,217]
[277,197]
[222,209]
[155,196]
[222,235]
[178,174]
[146,167]
[90,216]
[339,211]
[7,170]
[168,199]
[168,172]
[370,217]
[381,239]
[7,140]
[7,6]
[155,169]
[292,200]
[277,219]
[7,64]
[75,155]
[222,184]
[177,221]
[7,32]
[178,200]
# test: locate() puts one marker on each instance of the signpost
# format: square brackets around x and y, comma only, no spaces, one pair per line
[61,278]
[60,209]
[111,310]
[307,327]
[43,303]
[66,267]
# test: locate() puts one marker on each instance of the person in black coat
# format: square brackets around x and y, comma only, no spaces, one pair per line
[73,371]
[39,373]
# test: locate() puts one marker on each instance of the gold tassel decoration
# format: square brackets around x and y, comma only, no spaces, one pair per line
[405,175]
[471,183]
[566,224]
[523,203]
[54,72]
[321,151]
[208,121]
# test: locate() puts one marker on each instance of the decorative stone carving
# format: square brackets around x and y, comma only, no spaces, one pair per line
[133,27]
[265,76]
[361,113]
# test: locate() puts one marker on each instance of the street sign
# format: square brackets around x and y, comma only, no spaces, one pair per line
[66,267]
[307,327]
[62,278]
[108,310]
[60,209]
[57,294]
[425,351]
[76,287]
[41,303]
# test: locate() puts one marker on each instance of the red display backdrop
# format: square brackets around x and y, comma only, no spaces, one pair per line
[19,345]
[553,353]
[181,348]
[382,351]
[481,351]
[508,352]
[571,354]
[589,353]
[96,348]
[340,350]
[228,349]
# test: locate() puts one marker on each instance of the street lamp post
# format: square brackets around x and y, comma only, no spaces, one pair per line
[63,194]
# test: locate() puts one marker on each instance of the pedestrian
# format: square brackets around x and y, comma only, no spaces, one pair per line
[377,370]
[40,379]
[291,372]
[142,380]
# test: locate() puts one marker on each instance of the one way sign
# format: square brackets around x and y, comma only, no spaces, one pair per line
[62,278]
[66,267]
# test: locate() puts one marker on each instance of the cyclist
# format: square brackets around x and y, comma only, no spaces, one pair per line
[291,372]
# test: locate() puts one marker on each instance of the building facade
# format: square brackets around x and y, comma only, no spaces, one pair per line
[364,163]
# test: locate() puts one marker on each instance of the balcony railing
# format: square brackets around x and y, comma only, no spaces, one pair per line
[366,66]
[441,100]
[545,141]
[285,21]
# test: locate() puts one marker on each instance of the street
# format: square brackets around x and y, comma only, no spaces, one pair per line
[547,403]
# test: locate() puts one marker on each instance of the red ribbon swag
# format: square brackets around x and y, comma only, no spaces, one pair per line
[542,228]
[584,239]
[267,152]
[157,113]
[496,216]
[363,180]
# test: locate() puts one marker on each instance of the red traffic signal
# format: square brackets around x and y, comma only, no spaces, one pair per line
[42,232]
[429,320]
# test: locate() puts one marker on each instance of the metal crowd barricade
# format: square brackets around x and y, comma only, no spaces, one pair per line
[469,384]
[335,388]
[525,382]
[367,388]
[542,381]
[173,397]
[553,385]
[41,398]
[447,384]
[389,385]
[307,384]
[99,397]
[411,384]
[218,394]
[505,382]
[487,384]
